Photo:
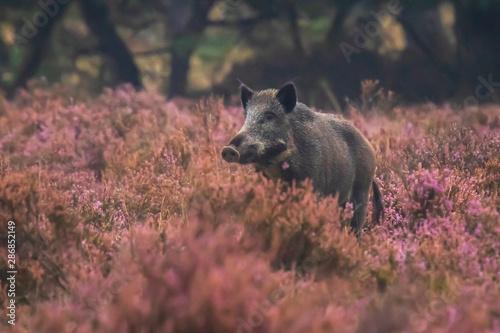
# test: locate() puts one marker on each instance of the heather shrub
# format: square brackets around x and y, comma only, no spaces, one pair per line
[292,224]
[127,219]
[427,193]
[156,286]
[489,177]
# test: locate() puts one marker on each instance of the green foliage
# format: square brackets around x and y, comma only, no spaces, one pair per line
[215,45]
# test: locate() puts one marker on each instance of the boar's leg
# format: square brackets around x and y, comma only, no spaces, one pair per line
[359,199]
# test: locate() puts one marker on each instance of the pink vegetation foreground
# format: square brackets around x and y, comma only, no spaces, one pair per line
[127,220]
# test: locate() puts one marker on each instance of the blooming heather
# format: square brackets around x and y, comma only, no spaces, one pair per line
[128,221]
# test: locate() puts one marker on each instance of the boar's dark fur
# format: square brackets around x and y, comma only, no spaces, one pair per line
[285,139]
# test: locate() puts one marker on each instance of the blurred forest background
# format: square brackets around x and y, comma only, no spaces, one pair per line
[420,51]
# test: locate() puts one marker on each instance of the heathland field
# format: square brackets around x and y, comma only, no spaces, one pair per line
[128,220]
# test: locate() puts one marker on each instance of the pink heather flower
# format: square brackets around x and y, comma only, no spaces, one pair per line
[169,158]
[477,232]
[474,208]
[285,165]
[349,210]
[98,207]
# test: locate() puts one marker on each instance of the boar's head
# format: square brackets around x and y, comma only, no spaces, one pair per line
[265,133]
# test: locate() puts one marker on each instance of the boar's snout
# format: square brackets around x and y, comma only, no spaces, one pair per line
[230,154]
[242,149]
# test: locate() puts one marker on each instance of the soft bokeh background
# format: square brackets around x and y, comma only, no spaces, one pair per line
[430,50]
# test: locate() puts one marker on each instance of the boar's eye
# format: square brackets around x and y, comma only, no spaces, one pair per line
[269,116]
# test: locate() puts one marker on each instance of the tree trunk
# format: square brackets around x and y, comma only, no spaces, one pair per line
[477,31]
[184,45]
[37,48]
[293,18]
[424,29]
[96,14]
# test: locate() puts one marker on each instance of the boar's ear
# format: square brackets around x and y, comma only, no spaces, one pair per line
[287,97]
[246,94]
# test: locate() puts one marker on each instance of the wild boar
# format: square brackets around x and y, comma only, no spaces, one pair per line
[285,139]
